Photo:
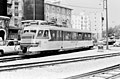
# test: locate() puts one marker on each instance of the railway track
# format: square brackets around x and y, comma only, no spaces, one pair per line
[112,72]
[10,58]
[53,62]
[17,57]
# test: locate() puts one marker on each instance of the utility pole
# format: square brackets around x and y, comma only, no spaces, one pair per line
[34,9]
[107,25]
[106,9]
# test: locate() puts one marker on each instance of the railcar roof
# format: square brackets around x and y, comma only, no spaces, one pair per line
[33,27]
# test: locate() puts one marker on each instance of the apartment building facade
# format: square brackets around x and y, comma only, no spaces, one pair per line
[81,22]
[59,14]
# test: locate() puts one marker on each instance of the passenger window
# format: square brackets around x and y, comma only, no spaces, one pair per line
[46,34]
[11,43]
[53,35]
[74,36]
[89,36]
[34,31]
[85,37]
[40,32]
[67,36]
[16,43]
[79,36]
[26,31]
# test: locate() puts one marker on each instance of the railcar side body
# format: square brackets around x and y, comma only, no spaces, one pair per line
[39,38]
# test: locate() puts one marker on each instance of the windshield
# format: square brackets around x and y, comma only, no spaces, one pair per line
[33,31]
[43,34]
[26,31]
[2,43]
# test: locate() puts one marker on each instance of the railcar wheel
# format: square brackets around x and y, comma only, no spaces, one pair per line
[90,47]
[24,50]
[1,52]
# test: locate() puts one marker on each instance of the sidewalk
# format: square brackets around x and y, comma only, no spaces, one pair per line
[110,49]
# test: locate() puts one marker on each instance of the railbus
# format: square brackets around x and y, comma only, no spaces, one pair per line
[40,38]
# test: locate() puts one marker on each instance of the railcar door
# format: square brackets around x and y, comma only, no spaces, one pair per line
[55,41]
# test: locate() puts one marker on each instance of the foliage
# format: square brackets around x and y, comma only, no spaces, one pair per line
[112,31]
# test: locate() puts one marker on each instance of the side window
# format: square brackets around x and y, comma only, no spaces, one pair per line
[56,35]
[74,36]
[83,36]
[79,36]
[15,42]
[89,36]
[53,35]
[86,36]
[40,33]
[11,43]
[67,36]
[46,34]
[61,35]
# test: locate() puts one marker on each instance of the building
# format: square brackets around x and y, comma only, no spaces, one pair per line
[33,10]
[96,25]
[14,11]
[92,22]
[17,12]
[58,14]
[81,22]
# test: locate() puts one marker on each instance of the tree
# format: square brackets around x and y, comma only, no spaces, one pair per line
[111,32]
[117,31]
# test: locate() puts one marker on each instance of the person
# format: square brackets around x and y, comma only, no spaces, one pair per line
[100,45]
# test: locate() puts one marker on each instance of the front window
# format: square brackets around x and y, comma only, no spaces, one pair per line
[26,31]
[11,43]
[43,34]
[33,31]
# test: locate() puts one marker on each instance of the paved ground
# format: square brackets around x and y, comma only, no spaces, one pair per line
[64,70]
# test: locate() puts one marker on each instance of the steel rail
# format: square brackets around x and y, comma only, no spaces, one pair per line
[54,62]
[10,59]
[99,73]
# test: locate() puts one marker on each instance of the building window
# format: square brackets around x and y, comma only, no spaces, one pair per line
[16,11]
[16,22]
[16,14]
[16,3]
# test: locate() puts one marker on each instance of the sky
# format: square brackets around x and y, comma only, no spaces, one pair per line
[96,6]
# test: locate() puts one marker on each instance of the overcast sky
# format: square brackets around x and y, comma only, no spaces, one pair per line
[95,5]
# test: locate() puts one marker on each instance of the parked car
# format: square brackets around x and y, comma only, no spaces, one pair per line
[110,41]
[9,47]
[117,43]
